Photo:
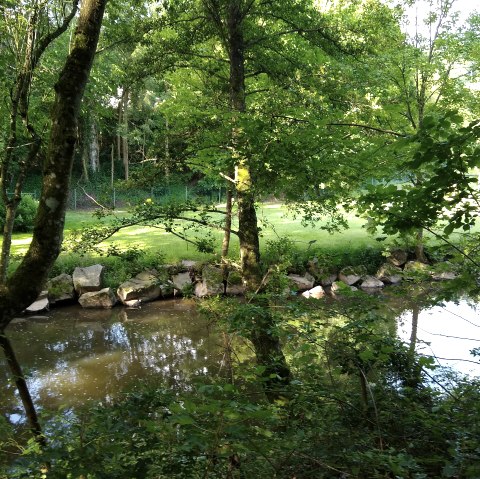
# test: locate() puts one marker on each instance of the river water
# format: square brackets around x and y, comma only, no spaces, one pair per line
[71,356]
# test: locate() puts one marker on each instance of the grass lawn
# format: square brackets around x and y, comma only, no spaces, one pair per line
[154,240]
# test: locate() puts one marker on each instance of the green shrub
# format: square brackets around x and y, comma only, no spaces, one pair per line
[26,212]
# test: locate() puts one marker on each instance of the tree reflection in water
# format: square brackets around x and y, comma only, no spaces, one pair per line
[75,355]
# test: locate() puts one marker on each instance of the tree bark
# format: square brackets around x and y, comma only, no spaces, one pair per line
[124,137]
[247,215]
[228,224]
[420,247]
[265,342]
[25,284]
[23,391]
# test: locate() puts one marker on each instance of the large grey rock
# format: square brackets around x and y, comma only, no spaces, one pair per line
[105,298]
[398,257]
[389,274]
[320,273]
[61,289]
[88,279]
[351,275]
[443,272]
[444,276]
[302,283]
[327,279]
[235,284]
[40,304]
[146,286]
[370,282]
[211,283]
[317,293]
[182,281]
[188,264]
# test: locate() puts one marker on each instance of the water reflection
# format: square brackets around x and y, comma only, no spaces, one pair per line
[74,355]
[447,332]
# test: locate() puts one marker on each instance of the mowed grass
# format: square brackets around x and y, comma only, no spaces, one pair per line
[274,220]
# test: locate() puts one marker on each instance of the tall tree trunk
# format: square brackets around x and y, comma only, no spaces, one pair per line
[228,223]
[263,337]
[247,215]
[126,165]
[93,148]
[119,127]
[85,159]
[112,166]
[34,49]
[420,247]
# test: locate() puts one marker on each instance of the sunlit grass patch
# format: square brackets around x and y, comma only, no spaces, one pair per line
[273,218]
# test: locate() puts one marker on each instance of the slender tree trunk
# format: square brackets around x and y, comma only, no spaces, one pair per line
[419,247]
[10,214]
[85,159]
[167,147]
[125,132]
[23,391]
[93,148]
[11,206]
[119,126]
[112,166]
[228,224]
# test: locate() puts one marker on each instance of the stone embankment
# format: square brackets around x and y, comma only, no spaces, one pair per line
[190,278]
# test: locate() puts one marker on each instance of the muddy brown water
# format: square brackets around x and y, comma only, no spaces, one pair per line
[71,356]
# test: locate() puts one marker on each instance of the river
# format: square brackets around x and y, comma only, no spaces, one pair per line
[71,356]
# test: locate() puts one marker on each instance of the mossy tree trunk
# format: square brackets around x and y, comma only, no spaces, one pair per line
[24,285]
[19,115]
[263,337]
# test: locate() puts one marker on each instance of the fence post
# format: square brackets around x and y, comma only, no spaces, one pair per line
[75,198]
[114,198]
[186,193]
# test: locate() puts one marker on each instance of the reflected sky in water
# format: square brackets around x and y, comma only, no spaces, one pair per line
[448,333]
[71,355]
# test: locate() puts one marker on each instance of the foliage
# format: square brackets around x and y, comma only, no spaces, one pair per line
[284,254]
[25,214]
[443,144]
[355,384]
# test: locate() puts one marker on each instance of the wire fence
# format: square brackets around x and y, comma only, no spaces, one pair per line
[88,197]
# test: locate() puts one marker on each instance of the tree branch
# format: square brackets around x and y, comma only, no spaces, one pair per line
[373,128]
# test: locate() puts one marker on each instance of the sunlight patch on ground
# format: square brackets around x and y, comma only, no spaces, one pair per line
[22,241]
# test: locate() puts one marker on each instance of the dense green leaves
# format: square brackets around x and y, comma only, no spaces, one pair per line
[445,150]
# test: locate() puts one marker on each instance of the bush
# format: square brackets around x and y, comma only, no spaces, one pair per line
[26,212]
